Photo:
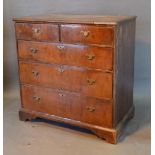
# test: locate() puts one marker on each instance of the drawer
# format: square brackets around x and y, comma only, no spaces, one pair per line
[67,105]
[90,83]
[77,55]
[40,32]
[87,34]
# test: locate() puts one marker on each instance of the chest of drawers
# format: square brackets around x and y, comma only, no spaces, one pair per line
[77,70]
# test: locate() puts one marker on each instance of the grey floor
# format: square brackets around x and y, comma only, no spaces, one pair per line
[48,138]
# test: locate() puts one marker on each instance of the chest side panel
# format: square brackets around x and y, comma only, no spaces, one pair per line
[124,66]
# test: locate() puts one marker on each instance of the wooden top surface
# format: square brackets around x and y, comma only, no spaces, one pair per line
[86,19]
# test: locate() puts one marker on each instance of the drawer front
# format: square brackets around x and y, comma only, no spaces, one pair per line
[78,55]
[87,34]
[89,83]
[40,32]
[67,105]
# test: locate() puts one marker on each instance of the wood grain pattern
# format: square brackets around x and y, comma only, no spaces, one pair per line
[70,78]
[75,33]
[40,32]
[68,105]
[78,55]
[77,70]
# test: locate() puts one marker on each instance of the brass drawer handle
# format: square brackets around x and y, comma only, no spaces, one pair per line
[90,109]
[60,47]
[85,33]
[91,81]
[61,69]
[35,73]
[33,50]
[91,56]
[36,98]
[36,30]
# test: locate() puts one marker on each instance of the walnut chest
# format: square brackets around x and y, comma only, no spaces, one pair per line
[77,69]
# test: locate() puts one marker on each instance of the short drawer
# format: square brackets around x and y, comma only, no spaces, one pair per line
[40,32]
[76,55]
[90,83]
[87,34]
[68,105]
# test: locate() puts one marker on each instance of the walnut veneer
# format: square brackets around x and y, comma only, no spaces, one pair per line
[77,70]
